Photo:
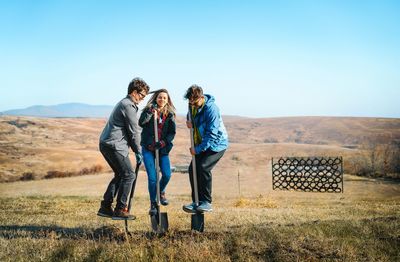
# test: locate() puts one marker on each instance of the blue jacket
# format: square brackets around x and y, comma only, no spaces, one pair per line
[212,130]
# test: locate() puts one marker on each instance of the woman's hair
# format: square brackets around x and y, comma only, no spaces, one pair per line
[168,108]
[194,92]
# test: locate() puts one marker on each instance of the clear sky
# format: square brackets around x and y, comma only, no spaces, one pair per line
[258,58]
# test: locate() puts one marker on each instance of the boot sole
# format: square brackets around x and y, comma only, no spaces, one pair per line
[204,210]
[123,218]
[103,215]
[191,211]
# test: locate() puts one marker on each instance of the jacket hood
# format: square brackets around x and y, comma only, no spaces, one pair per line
[209,99]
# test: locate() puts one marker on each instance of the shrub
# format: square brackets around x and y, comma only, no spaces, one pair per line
[84,171]
[96,169]
[235,158]
[271,140]
[27,176]
[376,160]
[58,174]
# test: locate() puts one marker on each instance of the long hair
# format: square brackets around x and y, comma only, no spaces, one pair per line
[168,108]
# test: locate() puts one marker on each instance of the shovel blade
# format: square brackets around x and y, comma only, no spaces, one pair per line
[164,222]
[197,222]
[126,226]
[154,222]
[159,226]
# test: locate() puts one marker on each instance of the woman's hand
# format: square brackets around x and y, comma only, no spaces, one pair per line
[189,124]
[153,108]
[192,151]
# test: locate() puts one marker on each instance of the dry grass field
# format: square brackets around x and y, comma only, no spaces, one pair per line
[59,223]
[37,146]
[55,219]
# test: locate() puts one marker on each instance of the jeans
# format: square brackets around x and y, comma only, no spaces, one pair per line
[124,176]
[205,162]
[165,166]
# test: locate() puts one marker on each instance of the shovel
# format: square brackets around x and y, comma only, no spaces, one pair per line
[197,221]
[131,195]
[159,221]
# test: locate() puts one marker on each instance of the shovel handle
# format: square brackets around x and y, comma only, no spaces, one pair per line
[157,163]
[131,194]
[194,170]
[133,187]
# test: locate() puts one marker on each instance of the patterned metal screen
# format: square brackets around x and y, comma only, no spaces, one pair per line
[309,174]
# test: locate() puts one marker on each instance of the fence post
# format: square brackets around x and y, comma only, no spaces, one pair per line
[240,194]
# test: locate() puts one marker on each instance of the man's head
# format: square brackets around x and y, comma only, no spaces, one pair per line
[195,96]
[138,89]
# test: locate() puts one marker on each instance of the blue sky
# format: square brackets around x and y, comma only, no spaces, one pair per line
[258,58]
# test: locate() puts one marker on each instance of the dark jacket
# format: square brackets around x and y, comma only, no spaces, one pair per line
[122,130]
[146,121]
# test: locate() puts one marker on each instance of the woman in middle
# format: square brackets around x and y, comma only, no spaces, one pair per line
[161,102]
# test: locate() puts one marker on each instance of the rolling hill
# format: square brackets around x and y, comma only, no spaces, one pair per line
[62,110]
[42,145]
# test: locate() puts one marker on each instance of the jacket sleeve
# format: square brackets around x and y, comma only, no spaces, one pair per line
[145,117]
[211,127]
[170,135]
[132,128]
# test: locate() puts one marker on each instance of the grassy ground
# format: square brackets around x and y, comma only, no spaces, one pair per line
[55,220]
[279,226]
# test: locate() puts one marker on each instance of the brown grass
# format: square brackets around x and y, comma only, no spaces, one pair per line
[259,202]
[54,220]
[36,146]
[361,224]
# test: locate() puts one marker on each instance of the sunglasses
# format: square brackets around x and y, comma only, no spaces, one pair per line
[141,95]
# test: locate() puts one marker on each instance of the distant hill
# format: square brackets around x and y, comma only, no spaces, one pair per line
[62,110]
[341,131]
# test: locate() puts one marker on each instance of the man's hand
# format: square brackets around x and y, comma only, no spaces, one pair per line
[192,151]
[189,124]
[139,158]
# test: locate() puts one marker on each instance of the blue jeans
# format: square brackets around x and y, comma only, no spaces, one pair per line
[165,166]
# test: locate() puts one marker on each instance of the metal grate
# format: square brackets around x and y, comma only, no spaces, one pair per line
[309,174]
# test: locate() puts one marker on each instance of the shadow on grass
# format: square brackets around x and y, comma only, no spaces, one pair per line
[233,239]
[105,233]
[114,233]
[312,240]
[56,232]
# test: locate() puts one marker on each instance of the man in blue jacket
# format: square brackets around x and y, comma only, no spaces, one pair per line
[211,142]
[121,133]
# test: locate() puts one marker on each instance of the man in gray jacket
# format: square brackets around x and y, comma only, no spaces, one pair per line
[120,133]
